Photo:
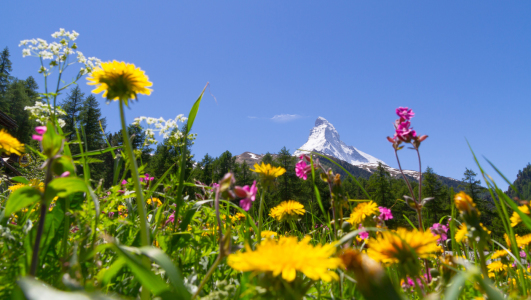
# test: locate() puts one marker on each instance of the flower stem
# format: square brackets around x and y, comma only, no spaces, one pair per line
[260,208]
[404,176]
[40,229]
[144,236]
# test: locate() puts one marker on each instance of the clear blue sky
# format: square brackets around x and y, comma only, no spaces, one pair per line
[463,66]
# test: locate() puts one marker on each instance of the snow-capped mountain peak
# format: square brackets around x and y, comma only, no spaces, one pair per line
[325,139]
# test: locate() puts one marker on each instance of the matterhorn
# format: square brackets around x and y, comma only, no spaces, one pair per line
[325,139]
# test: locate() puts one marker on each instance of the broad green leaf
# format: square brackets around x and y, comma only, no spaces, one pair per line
[21,198]
[148,279]
[193,111]
[20,179]
[37,290]
[88,160]
[455,287]
[62,187]
[172,272]
[106,275]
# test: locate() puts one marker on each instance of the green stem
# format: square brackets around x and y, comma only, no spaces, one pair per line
[260,208]
[144,236]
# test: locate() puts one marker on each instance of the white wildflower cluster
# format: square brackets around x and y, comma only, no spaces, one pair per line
[168,129]
[41,112]
[58,52]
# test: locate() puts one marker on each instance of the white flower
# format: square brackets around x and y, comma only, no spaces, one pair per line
[26,52]
[46,54]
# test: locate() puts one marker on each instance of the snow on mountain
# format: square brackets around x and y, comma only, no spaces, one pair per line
[325,139]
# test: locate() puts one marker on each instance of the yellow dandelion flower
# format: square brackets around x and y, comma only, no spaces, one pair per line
[154,201]
[397,246]
[362,211]
[461,234]
[119,80]
[286,210]
[522,241]
[268,234]
[268,173]
[499,253]
[496,266]
[122,211]
[237,217]
[9,144]
[515,218]
[464,202]
[16,187]
[286,256]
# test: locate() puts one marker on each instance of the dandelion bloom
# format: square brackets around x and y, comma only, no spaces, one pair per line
[397,246]
[119,80]
[238,217]
[464,202]
[496,266]
[362,211]
[9,144]
[287,209]
[499,253]
[154,200]
[16,187]
[515,218]
[523,241]
[268,171]
[461,233]
[286,256]
[268,234]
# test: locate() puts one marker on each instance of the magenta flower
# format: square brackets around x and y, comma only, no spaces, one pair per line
[302,169]
[65,174]
[440,230]
[385,214]
[40,130]
[405,113]
[171,219]
[124,182]
[523,254]
[111,214]
[404,132]
[146,178]
[247,193]
[364,234]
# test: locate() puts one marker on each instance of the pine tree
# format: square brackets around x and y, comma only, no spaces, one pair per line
[472,186]
[379,186]
[16,98]
[286,161]
[73,106]
[90,118]
[433,187]
[5,70]
[522,184]
[207,168]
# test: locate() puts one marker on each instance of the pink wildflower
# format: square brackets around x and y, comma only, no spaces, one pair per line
[405,113]
[385,214]
[364,234]
[65,174]
[171,219]
[302,169]
[247,193]
[40,130]
[440,230]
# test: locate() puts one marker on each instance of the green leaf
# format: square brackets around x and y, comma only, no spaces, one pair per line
[88,160]
[456,286]
[106,275]
[37,290]
[172,272]
[62,187]
[159,181]
[193,111]
[96,152]
[20,179]
[148,279]
[21,198]
[51,141]
[63,164]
